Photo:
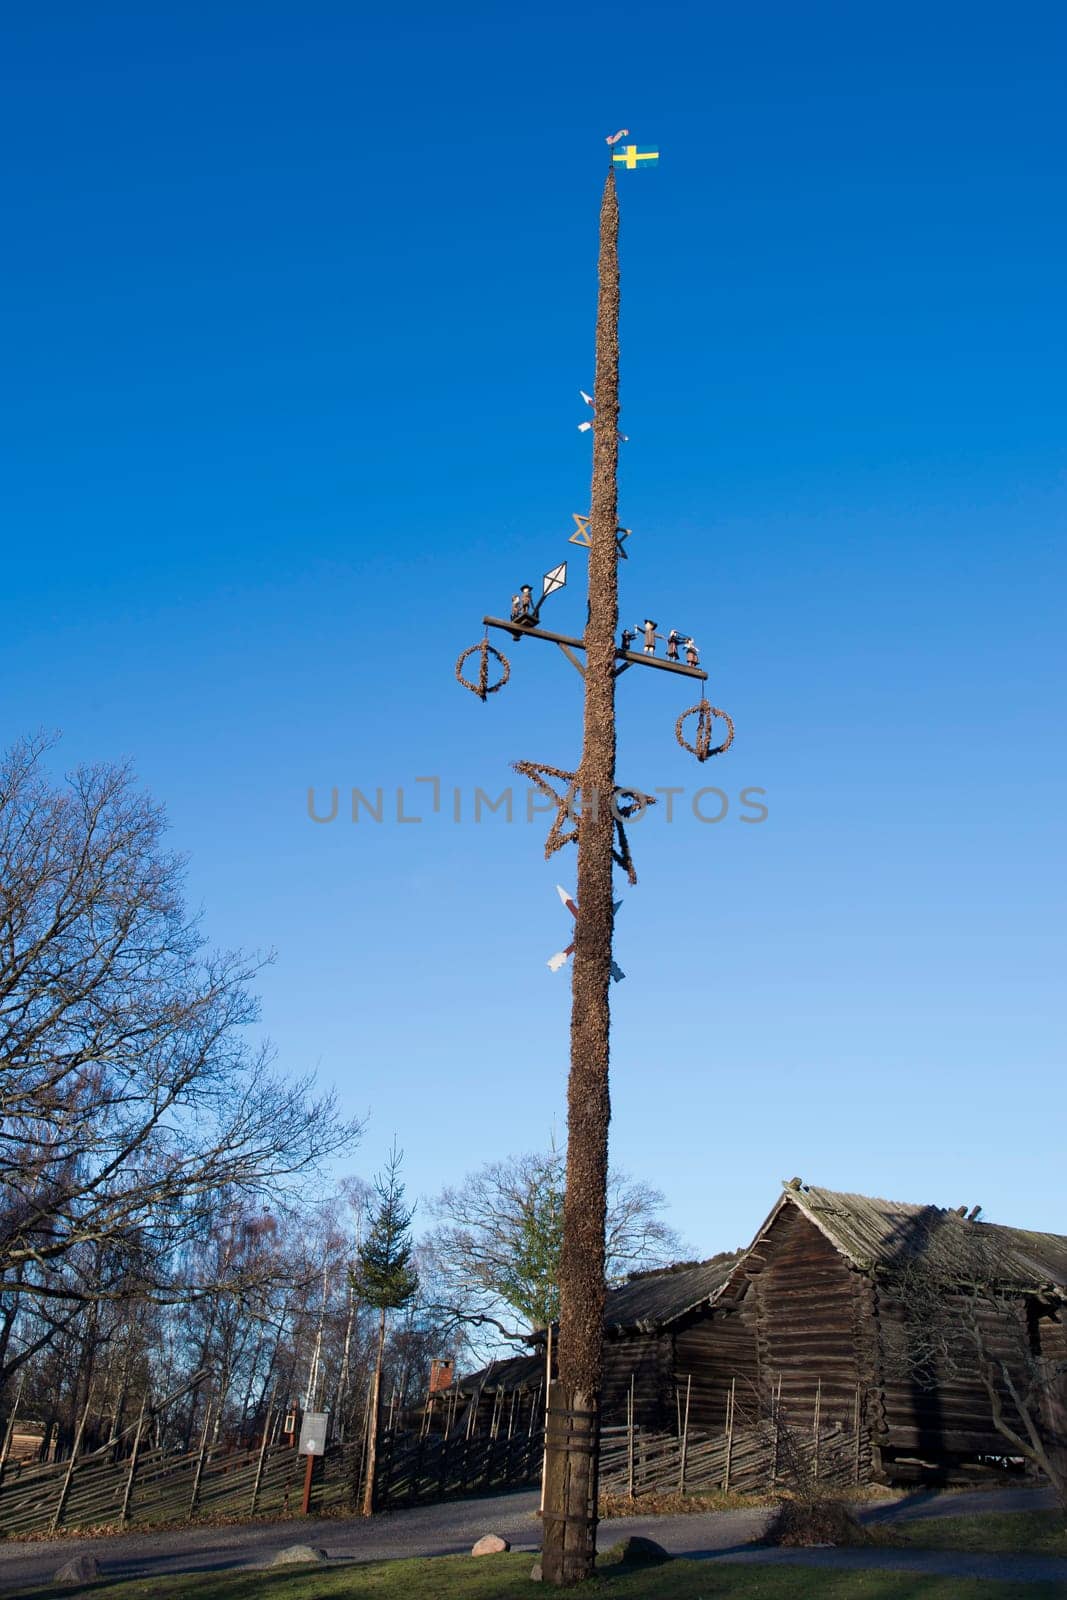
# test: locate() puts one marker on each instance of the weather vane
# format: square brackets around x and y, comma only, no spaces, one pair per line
[561,957]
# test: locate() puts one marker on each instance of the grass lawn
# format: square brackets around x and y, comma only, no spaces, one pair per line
[1032,1533]
[507,1578]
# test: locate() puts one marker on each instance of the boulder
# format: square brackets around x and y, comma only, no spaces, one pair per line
[294,1553]
[634,1552]
[490,1544]
[83,1569]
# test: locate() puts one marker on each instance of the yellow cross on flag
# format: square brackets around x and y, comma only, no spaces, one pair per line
[632,156]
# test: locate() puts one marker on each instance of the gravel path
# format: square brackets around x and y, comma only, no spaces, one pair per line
[452,1527]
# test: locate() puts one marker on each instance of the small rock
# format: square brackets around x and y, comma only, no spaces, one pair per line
[294,1553]
[490,1544]
[634,1552]
[83,1569]
[536,1574]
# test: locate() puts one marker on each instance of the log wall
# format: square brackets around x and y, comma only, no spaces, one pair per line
[809,1317]
[647,1358]
[944,1414]
[1050,1334]
[716,1349]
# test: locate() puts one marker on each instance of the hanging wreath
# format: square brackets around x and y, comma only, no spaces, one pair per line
[705,715]
[483,687]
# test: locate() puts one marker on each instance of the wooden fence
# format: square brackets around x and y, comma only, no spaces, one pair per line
[109,1488]
[434,1467]
[636,1461]
[157,1486]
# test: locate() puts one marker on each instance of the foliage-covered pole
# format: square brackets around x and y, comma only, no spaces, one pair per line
[569,1539]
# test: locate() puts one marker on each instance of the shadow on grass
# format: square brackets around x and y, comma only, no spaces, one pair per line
[900,1508]
[506,1577]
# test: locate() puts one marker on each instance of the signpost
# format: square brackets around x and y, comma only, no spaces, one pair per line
[312,1443]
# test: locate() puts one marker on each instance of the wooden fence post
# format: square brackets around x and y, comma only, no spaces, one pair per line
[9,1431]
[442,1472]
[544,1418]
[776,1418]
[127,1495]
[815,1428]
[685,1436]
[194,1497]
[856,1462]
[262,1452]
[630,1436]
[729,1437]
[364,1459]
[61,1503]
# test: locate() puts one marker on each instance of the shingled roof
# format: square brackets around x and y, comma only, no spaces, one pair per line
[514,1372]
[645,1303]
[648,1301]
[886,1235]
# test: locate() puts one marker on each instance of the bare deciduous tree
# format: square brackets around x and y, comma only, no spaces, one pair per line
[980,1330]
[495,1255]
[129,1097]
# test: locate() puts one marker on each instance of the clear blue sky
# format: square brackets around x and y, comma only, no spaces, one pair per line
[298,302]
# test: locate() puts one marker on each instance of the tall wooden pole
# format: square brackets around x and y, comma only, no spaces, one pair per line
[371,1467]
[572,1445]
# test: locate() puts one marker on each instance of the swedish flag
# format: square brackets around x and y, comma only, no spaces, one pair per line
[633,157]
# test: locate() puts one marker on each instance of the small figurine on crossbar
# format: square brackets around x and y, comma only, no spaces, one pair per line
[649,630]
[692,654]
[522,606]
[628,637]
[674,639]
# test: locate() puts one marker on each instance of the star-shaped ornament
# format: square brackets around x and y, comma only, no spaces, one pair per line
[583,534]
[626,803]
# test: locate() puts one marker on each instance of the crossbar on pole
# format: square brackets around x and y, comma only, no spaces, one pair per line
[631,657]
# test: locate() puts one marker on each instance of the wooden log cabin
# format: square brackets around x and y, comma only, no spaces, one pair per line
[840,1301]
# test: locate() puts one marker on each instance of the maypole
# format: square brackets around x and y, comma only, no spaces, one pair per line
[591,810]
[569,1514]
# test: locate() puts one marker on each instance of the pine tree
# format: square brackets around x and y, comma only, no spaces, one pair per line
[383,1277]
